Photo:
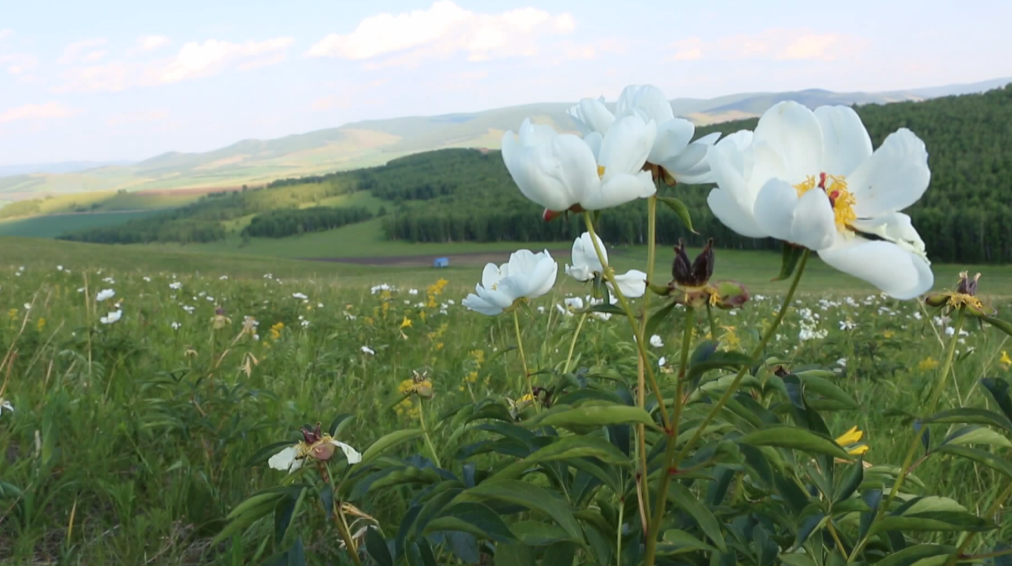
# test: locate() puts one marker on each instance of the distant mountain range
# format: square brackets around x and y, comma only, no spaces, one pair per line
[375,142]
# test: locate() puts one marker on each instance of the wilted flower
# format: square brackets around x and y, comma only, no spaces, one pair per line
[691,281]
[526,276]
[105,294]
[965,295]
[314,444]
[811,179]
[219,320]
[586,265]
[112,317]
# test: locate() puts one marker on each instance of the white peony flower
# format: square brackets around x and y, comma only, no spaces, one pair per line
[632,283]
[112,317]
[526,276]
[563,172]
[105,295]
[812,179]
[316,445]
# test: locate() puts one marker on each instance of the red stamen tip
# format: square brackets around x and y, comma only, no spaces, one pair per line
[822,181]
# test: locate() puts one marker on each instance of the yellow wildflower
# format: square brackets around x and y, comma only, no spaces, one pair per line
[850,439]
[1005,360]
[472,377]
[41,323]
[927,364]
[421,315]
[439,346]
[730,339]
[888,334]
[13,314]
[369,321]
[406,323]
[276,330]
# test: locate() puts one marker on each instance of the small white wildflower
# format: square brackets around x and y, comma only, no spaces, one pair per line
[176,325]
[112,317]
[842,362]
[662,361]
[176,285]
[656,341]
[223,278]
[299,296]
[368,350]
[105,294]
[412,291]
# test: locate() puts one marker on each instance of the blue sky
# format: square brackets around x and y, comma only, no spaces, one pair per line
[117,79]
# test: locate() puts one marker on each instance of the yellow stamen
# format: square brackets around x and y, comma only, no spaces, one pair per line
[600,171]
[959,299]
[836,189]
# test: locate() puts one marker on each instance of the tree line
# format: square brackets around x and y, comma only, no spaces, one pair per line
[297,221]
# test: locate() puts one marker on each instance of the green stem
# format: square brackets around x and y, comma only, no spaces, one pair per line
[609,274]
[915,439]
[641,386]
[572,344]
[755,354]
[618,532]
[672,436]
[713,323]
[425,433]
[342,525]
[523,358]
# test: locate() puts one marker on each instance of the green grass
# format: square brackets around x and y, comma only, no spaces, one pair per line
[142,433]
[53,226]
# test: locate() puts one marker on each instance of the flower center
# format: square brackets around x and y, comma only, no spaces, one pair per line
[600,171]
[842,201]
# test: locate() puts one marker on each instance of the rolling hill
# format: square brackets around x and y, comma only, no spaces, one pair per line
[374,142]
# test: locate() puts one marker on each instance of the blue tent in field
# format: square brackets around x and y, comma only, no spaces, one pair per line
[441,262]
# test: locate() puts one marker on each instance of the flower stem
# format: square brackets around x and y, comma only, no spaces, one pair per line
[342,525]
[523,357]
[572,344]
[641,386]
[425,433]
[609,274]
[713,323]
[672,436]
[915,439]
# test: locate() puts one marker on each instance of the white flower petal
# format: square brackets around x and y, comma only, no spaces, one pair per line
[283,460]
[893,178]
[733,215]
[846,141]
[552,172]
[673,136]
[626,146]
[619,190]
[793,132]
[632,283]
[895,228]
[648,99]
[895,271]
[350,453]
[592,115]
[806,221]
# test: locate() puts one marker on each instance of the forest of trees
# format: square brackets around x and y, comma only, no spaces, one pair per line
[295,221]
[455,195]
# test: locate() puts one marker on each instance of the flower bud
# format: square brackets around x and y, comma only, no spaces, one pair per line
[966,285]
[730,294]
[698,273]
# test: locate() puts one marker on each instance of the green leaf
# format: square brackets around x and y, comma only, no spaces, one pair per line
[283,513]
[339,423]
[570,447]
[377,548]
[789,258]
[514,554]
[796,438]
[676,541]
[725,360]
[387,442]
[796,559]
[689,503]
[250,514]
[827,389]
[942,521]
[988,459]
[680,209]
[536,533]
[268,451]
[655,319]
[973,434]
[596,415]
[1000,324]
[530,496]
[1001,391]
[475,518]
[850,482]
[971,416]
[268,496]
[919,555]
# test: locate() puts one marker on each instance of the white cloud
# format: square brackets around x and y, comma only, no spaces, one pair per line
[152,42]
[442,30]
[770,44]
[193,60]
[36,112]
[5,33]
[18,63]
[212,56]
[143,116]
[78,51]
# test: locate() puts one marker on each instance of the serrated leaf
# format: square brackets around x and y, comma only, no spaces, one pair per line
[969,415]
[973,434]
[679,208]
[387,442]
[796,438]
[990,460]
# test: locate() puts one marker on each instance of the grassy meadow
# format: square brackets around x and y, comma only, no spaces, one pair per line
[131,441]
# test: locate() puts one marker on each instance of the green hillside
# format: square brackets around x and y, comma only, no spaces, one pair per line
[465,195]
[375,142]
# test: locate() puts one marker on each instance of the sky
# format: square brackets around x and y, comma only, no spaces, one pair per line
[108,80]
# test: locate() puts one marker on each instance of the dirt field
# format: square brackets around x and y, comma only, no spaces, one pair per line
[475,258]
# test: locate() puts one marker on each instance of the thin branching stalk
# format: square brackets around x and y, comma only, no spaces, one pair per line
[523,357]
[572,344]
